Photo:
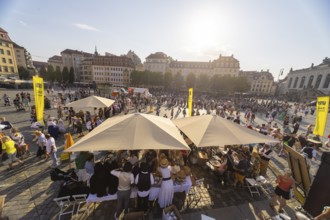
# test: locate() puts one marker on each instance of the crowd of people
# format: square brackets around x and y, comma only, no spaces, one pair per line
[143,168]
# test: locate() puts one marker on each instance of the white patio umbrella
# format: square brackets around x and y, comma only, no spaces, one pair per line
[91,102]
[212,130]
[132,132]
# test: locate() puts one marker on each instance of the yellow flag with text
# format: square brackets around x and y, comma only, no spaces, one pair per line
[190,98]
[322,108]
[38,89]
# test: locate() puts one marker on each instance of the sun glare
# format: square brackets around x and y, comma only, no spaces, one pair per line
[203,32]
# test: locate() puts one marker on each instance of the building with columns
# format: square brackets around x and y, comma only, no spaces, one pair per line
[261,83]
[115,70]
[308,83]
[8,63]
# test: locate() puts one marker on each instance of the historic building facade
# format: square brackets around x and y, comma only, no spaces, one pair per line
[261,83]
[73,59]
[115,70]
[224,66]
[57,62]
[157,62]
[310,82]
[23,57]
[8,64]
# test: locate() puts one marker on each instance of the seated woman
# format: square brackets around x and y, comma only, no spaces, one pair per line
[21,146]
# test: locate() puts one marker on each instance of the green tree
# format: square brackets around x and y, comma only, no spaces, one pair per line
[178,81]
[202,82]
[23,73]
[58,74]
[43,72]
[65,74]
[50,73]
[136,78]
[241,84]
[168,79]
[191,80]
[71,75]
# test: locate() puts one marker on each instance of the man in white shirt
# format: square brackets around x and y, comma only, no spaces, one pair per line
[126,179]
[51,150]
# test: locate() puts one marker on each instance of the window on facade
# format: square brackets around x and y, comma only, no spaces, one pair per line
[12,69]
[318,81]
[1,51]
[6,69]
[8,52]
[4,60]
[302,82]
[295,82]
[290,82]
[0,69]
[326,82]
[310,81]
[10,61]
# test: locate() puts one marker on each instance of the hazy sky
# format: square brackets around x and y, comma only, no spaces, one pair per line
[262,34]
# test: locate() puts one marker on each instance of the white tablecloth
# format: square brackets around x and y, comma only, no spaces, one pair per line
[94,198]
[154,191]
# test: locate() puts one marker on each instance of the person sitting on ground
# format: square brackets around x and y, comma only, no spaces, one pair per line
[20,144]
[8,147]
[285,183]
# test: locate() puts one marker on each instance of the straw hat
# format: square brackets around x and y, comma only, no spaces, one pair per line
[37,132]
[163,163]
[181,176]
[187,170]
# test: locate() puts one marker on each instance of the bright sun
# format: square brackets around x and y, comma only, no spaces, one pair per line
[203,32]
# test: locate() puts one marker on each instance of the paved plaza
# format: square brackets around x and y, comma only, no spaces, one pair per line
[30,192]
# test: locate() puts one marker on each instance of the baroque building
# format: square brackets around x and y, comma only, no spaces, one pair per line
[308,83]
[115,70]
[8,63]
[73,59]
[157,62]
[224,66]
[261,83]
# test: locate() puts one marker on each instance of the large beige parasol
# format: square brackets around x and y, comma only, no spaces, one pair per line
[212,130]
[91,102]
[132,132]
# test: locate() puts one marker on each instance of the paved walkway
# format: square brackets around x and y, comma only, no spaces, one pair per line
[30,192]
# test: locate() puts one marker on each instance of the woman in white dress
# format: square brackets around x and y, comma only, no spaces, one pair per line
[166,192]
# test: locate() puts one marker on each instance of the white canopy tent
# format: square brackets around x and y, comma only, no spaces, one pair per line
[212,130]
[132,132]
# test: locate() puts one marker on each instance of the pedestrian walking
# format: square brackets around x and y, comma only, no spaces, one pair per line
[51,150]
[285,183]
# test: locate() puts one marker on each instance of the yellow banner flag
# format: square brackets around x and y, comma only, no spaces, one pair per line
[322,108]
[190,98]
[38,89]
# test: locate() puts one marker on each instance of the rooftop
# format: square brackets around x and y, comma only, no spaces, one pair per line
[69,51]
[157,55]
